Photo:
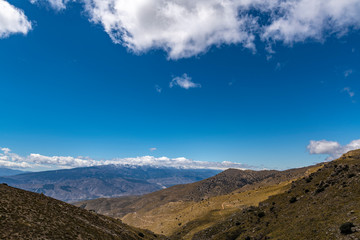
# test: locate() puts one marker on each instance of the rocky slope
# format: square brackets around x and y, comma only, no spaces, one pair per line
[27,215]
[324,205]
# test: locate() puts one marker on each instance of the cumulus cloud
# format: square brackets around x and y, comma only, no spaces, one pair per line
[331,148]
[299,20]
[38,161]
[184,28]
[12,20]
[184,81]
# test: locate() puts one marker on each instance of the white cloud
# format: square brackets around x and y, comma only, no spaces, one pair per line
[332,149]
[12,20]
[153,149]
[9,164]
[184,28]
[323,147]
[348,91]
[56,4]
[41,162]
[5,150]
[299,20]
[158,88]
[184,82]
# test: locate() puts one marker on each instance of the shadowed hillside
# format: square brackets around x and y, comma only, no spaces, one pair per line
[27,215]
[324,205]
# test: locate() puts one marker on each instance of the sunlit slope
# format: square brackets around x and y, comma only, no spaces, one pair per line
[324,205]
[202,203]
[170,218]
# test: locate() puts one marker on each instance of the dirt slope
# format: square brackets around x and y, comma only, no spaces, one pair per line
[27,215]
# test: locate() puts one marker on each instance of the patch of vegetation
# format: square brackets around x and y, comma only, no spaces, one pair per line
[261,214]
[346,228]
[293,199]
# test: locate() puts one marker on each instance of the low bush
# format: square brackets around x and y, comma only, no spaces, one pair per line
[293,199]
[345,228]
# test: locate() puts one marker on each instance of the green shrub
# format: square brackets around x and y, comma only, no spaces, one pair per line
[261,214]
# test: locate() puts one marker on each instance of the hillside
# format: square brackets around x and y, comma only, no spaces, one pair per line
[78,184]
[323,205]
[167,210]
[27,215]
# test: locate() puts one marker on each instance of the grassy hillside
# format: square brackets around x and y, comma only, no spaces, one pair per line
[27,215]
[169,218]
[201,203]
[325,205]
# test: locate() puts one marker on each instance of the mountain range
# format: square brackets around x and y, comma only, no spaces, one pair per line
[315,202]
[78,184]
[9,172]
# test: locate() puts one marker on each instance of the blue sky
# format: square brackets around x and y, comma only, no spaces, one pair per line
[69,88]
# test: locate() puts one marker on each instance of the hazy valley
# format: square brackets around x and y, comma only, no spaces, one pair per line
[78,184]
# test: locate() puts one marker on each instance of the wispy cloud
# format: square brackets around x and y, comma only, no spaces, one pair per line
[331,148]
[348,72]
[158,88]
[56,4]
[184,81]
[41,162]
[188,28]
[153,149]
[348,91]
[12,20]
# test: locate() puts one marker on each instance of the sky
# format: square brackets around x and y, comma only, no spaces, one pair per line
[263,84]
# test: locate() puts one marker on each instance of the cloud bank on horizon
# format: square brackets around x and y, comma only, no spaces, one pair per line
[186,28]
[40,162]
[331,148]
